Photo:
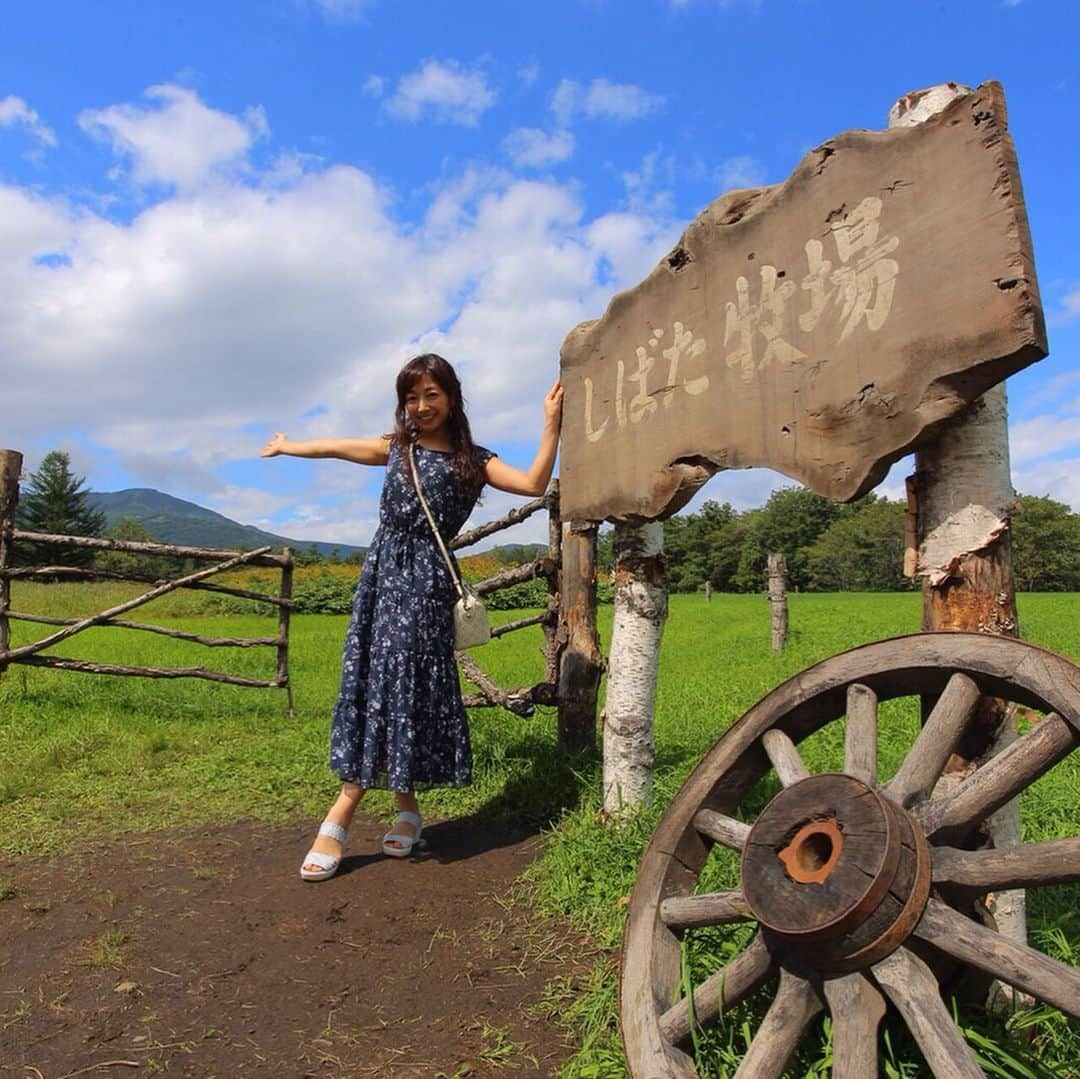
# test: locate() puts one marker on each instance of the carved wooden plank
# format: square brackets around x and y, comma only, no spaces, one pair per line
[1056,861]
[860,734]
[914,990]
[795,1004]
[939,736]
[822,327]
[710,908]
[727,831]
[1015,964]
[785,757]
[1001,778]
[856,1008]
[745,974]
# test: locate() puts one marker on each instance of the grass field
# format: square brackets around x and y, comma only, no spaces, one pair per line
[89,756]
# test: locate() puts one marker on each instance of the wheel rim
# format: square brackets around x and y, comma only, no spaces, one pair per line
[854,935]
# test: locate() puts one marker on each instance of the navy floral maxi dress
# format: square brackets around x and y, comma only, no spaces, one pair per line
[399,721]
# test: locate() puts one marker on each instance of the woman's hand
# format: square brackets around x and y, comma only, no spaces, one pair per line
[553,404]
[275,446]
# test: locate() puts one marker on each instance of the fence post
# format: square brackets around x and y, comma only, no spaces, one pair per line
[551,647]
[581,662]
[10,469]
[777,573]
[283,627]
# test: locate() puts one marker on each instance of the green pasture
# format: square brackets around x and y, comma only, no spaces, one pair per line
[90,757]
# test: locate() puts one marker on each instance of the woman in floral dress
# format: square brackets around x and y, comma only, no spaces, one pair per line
[399,722]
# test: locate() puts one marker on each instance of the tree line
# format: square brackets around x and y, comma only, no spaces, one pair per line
[828,546]
[845,547]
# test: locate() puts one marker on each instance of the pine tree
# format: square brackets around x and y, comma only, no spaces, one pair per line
[54,501]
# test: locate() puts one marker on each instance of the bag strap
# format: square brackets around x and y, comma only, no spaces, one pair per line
[434,528]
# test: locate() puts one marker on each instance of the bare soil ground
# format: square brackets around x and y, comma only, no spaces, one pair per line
[206,955]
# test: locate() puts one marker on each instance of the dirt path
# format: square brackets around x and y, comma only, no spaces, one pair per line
[208,956]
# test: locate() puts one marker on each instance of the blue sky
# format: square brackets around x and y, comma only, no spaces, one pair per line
[222,219]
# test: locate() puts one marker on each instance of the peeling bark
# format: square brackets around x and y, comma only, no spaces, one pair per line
[640,610]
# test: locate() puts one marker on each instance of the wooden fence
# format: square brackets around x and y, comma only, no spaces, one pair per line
[521,700]
[33,654]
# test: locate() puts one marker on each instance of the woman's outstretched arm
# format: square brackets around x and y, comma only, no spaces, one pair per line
[534,480]
[361,451]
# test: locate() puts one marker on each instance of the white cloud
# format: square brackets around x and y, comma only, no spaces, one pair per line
[288,299]
[374,86]
[739,171]
[529,73]
[343,10]
[602,99]
[444,90]
[13,110]
[619,101]
[565,101]
[1069,310]
[530,147]
[176,139]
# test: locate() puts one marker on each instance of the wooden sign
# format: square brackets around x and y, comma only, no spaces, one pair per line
[822,327]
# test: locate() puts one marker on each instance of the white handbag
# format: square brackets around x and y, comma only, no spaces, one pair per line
[471,626]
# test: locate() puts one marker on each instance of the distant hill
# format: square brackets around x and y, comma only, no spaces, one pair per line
[172,520]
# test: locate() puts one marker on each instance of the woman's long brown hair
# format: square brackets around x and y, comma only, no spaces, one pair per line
[467,469]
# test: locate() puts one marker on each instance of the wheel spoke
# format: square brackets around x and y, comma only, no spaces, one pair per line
[860,734]
[914,990]
[785,757]
[795,1005]
[727,831]
[931,749]
[724,989]
[1017,965]
[988,788]
[856,1008]
[710,908]
[1027,866]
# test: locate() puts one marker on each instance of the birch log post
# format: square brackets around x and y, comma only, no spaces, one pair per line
[640,610]
[963,493]
[10,468]
[777,574]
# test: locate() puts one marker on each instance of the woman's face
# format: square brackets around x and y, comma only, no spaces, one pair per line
[427,405]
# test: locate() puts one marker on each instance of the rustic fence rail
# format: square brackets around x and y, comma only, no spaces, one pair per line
[521,701]
[33,653]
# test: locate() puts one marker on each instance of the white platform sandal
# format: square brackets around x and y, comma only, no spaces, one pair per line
[407,841]
[327,863]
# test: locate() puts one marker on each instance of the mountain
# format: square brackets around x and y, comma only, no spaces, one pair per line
[172,520]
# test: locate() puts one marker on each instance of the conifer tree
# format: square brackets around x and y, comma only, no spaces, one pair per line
[54,501]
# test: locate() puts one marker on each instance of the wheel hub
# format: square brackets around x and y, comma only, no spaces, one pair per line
[835,871]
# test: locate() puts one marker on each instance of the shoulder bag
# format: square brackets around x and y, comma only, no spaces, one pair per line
[470,615]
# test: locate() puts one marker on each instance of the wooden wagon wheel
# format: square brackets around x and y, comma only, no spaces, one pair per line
[862,894]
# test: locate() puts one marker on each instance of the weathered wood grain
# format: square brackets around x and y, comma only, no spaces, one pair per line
[909,984]
[926,759]
[1002,777]
[710,908]
[727,831]
[823,327]
[1015,964]
[785,757]
[795,1005]
[1030,865]
[725,988]
[860,734]
[856,1008]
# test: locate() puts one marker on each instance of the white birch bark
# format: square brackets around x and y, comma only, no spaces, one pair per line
[640,610]
[966,496]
